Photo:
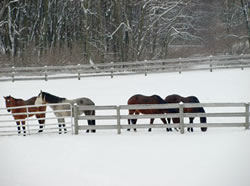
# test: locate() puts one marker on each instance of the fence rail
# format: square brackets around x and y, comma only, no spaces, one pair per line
[240,113]
[113,117]
[79,71]
[8,126]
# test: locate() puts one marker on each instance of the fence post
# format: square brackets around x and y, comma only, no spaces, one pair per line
[247,115]
[27,123]
[118,119]
[241,58]
[13,73]
[75,114]
[210,63]
[111,69]
[180,66]
[181,118]
[45,73]
[79,74]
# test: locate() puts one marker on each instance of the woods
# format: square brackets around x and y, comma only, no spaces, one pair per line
[58,32]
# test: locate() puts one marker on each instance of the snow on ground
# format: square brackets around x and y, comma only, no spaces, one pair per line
[218,157]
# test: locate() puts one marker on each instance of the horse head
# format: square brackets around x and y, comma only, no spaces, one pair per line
[9,102]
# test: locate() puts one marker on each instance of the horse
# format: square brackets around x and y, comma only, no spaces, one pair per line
[175,98]
[46,98]
[20,113]
[154,99]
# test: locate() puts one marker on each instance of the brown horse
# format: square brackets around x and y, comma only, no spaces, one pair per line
[154,99]
[175,98]
[13,102]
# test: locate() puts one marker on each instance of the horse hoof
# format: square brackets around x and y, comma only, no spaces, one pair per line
[93,131]
[149,130]
[40,131]
[128,129]
[87,131]
[169,130]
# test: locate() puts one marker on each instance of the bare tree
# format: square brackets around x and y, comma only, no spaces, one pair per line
[64,32]
[245,4]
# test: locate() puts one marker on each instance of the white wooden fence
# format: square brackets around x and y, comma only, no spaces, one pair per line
[208,63]
[115,117]
[8,126]
[231,115]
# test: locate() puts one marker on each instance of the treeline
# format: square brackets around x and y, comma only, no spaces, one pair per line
[53,32]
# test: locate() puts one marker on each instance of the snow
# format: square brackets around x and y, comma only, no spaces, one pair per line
[218,157]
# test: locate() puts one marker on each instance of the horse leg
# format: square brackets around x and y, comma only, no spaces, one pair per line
[18,127]
[190,129]
[93,121]
[41,121]
[165,122]
[130,112]
[64,126]
[151,123]
[176,120]
[135,120]
[90,122]
[128,124]
[61,123]
[23,126]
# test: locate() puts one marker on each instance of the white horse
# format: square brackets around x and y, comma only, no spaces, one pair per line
[46,98]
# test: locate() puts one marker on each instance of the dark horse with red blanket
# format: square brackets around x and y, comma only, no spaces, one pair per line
[20,114]
[175,98]
[141,99]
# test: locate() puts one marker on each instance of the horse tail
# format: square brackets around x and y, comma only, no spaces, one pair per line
[203,119]
[91,122]
[93,114]
[201,110]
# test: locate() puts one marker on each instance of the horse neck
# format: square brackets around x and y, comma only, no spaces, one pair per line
[19,102]
[54,99]
[30,101]
[71,101]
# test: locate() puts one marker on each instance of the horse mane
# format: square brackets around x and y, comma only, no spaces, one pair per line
[52,98]
[16,99]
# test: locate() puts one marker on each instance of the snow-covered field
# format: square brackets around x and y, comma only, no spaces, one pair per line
[218,157]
